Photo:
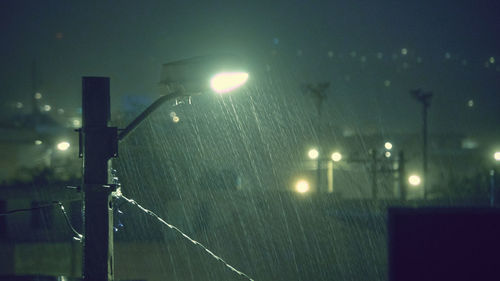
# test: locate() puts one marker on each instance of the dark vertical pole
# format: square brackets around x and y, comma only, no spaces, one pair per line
[99,146]
[402,175]
[492,187]
[374,174]
[424,148]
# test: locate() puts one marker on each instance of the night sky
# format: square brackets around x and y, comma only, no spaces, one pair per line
[372,52]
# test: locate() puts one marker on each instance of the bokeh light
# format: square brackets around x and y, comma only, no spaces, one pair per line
[313,153]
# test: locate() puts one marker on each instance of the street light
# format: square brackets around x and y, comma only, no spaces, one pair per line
[496,156]
[414,180]
[302,186]
[313,154]
[388,145]
[99,144]
[336,156]
[63,146]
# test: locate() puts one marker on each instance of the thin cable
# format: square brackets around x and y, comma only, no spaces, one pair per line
[52,204]
[78,236]
[151,213]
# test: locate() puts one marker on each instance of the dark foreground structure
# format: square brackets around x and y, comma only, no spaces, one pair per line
[444,244]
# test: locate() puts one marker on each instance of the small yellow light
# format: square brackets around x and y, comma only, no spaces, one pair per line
[175,119]
[497,156]
[228,81]
[76,122]
[63,146]
[302,186]
[404,51]
[388,145]
[38,142]
[414,180]
[47,107]
[387,154]
[313,153]
[336,156]
[38,96]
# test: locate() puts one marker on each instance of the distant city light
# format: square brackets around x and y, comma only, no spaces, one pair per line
[175,119]
[313,153]
[387,154]
[60,111]
[497,156]
[414,180]
[387,83]
[38,96]
[63,146]
[19,105]
[388,145]
[336,156]
[404,51]
[492,60]
[47,107]
[302,186]
[227,81]
[38,142]
[470,103]
[76,122]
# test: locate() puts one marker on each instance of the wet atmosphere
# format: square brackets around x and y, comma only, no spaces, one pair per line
[296,145]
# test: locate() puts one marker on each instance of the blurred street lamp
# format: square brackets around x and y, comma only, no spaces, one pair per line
[388,145]
[63,146]
[313,154]
[336,156]
[414,180]
[100,143]
[496,156]
[302,186]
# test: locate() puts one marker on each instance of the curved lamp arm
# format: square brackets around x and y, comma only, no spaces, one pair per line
[130,127]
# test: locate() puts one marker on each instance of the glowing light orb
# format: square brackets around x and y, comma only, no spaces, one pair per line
[336,156]
[47,107]
[388,145]
[176,119]
[38,96]
[302,186]
[38,142]
[497,156]
[228,81]
[414,180]
[404,51]
[76,123]
[313,153]
[387,154]
[63,146]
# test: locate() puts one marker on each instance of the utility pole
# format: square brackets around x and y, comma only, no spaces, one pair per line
[402,176]
[317,92]
[374,174]
[425,99]
[100,144]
